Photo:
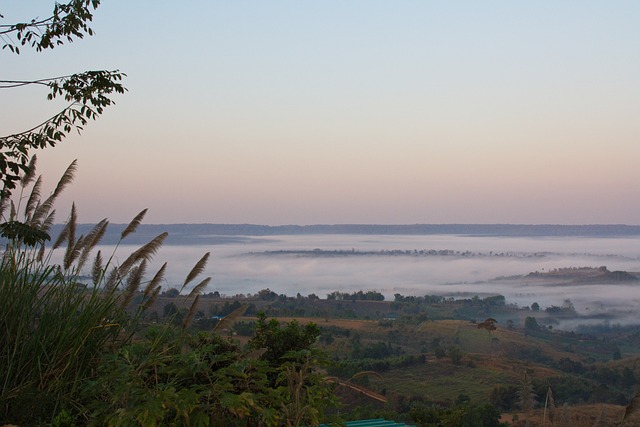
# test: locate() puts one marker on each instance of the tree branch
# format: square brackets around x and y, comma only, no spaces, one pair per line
[66,22]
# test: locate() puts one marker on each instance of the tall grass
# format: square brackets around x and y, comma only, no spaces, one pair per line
[55,327]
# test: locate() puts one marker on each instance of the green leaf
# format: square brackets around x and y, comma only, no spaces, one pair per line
[21,232]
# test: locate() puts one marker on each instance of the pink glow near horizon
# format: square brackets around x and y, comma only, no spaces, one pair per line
[366,112]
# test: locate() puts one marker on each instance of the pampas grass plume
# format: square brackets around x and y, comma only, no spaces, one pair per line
[133,225]
[197,269]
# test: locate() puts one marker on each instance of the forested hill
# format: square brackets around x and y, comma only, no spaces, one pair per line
[220,233]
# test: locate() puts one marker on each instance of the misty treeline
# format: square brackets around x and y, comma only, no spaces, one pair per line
[356,296]
[329,253]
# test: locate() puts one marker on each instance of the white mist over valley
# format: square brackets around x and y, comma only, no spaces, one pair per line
[458,266]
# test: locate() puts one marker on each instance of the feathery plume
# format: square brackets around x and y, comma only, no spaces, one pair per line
[155,282]
[67,178]
[128,263]
[45,207]
[196,270]
[146,252]
[48,222]
[33,199]
[133,283]
[133,225]
[191,312]
[71,254]
[97,268]
[30,173]
[40,255]
[152,299]
[91,240]
[112,280]
[150,249]
[197,290]
[42,209]
[62,237]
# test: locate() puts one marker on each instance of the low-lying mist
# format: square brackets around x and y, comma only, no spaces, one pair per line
[451,266]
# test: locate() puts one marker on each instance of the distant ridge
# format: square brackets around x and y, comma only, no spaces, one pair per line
[194,234]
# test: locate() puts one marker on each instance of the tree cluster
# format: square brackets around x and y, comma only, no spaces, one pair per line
[356,296]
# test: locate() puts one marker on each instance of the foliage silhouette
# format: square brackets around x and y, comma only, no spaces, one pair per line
[87,93]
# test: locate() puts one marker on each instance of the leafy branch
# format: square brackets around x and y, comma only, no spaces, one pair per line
[87,94]
[67,21]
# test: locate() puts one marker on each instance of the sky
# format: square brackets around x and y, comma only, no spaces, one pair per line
[360,111]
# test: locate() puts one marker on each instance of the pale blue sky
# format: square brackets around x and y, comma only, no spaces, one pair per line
[300,112]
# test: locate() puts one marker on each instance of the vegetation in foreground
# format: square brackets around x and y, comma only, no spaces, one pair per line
[78,353]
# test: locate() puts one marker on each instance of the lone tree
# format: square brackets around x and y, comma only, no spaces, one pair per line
[531,325]
[87,94]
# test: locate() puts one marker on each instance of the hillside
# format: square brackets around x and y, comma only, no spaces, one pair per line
[196,234]
[585,275]
[429,351]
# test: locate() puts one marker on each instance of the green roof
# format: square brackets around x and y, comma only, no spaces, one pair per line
[377,422]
